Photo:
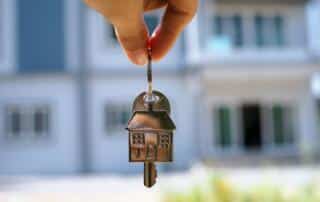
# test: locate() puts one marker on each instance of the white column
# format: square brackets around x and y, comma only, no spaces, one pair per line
[192,41]
[72,36]
[308,136]
[201,117]
[7,36]
[313,26]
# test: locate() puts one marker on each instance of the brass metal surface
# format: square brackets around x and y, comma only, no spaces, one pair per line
[150,129]
[151,134]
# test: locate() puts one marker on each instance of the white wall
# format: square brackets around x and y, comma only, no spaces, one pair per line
[59,152]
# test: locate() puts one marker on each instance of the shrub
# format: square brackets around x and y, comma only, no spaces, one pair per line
[218,189]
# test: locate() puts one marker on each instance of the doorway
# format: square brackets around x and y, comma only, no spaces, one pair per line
[251,126]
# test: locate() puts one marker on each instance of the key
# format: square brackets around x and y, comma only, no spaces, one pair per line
[150,130]
[150,174]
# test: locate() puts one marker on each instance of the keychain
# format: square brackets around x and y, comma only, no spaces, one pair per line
[150,129]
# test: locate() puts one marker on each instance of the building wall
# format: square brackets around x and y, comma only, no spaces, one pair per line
[299,30]
[57,152]
[193,77]
[234,94]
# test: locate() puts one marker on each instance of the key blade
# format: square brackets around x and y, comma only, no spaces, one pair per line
[150,174]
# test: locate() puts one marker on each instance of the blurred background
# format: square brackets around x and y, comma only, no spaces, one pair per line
[244,85]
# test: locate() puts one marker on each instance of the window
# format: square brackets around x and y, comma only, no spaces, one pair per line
[41,36]
[223,126]
[282,123]
[279,30]
[269,31]
[138,138]
[40,121]
[237,31]
[254,126]
[14,121]
[229,28]
[164,140]
[116,117]
[237,23]
[27,121]
[259,30]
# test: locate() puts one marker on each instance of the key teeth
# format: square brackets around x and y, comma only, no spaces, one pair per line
[150,174]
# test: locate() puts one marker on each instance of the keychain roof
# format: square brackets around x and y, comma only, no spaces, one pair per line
[151,109]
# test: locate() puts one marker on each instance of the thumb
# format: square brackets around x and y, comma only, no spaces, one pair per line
[133,37]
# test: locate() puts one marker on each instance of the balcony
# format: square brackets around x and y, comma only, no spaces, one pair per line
[250,33]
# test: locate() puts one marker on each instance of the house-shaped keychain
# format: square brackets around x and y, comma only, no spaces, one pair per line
[151,134]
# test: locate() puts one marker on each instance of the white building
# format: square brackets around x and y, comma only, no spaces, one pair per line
[239,82]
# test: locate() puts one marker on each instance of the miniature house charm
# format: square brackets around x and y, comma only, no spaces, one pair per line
[150,134]
[150,129]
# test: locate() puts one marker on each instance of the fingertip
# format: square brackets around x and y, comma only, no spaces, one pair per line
[138,57]
[177,15]
[133,40]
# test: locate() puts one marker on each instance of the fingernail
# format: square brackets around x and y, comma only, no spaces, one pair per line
[139,56]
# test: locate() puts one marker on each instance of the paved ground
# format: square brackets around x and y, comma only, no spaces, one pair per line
[113,188]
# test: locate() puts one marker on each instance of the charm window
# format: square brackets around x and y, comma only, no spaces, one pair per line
[164,140]
[137,138]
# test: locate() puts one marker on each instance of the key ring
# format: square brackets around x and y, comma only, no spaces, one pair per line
[150,98]
[149,72]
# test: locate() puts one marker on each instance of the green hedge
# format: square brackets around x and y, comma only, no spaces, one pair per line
[219,190]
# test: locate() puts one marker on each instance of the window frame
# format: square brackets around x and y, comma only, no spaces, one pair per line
[286,108]
[222,114]
[27,130]
[227,24]
[234,128]
[248,22]
[269,35]
[9,110]
[268,130]
[268,147]
[46,111]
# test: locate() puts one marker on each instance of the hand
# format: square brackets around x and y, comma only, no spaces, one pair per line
[127,18]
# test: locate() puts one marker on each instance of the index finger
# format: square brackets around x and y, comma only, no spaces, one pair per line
[177,15]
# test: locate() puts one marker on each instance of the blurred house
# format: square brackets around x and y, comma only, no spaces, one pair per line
[239,81]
